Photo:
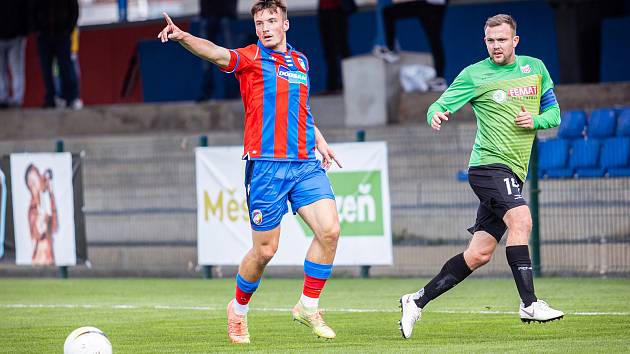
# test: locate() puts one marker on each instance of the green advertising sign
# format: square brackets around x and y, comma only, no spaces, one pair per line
[359,203]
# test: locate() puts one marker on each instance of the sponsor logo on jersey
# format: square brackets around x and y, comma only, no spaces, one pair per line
[301,63]
[499,96]
[523,91]
[257,217]
[294,77]
[526,69]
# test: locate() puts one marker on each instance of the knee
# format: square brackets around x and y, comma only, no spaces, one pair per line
[476,259]
[265,253]
[330,235]
[522,225]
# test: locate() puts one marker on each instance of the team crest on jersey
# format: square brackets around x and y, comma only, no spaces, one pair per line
[526,69]
[257,217]
[294,77]
[499,96]
[302,64]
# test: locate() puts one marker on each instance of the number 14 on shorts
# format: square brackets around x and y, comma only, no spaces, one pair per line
[512,183]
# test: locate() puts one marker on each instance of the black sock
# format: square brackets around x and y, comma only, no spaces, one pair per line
[521,264]
[454,271]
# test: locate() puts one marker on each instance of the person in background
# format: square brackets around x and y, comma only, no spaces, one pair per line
[430,14]
[216,18]
[55,20]
[333,27]
[14,28]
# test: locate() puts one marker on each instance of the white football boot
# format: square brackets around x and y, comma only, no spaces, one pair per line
[539,311]
[411,313]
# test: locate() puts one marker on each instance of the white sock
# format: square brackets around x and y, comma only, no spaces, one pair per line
[240,309]
[309,302]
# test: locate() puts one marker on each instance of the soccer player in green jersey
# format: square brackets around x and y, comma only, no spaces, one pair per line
[511,96]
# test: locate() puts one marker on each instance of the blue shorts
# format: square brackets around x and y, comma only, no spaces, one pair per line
[269,184]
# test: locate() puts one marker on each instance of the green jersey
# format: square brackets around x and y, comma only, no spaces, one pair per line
[497,94]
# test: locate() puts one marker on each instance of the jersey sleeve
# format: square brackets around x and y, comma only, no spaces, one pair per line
[547,83]
[240,59]
[455,97]
[549,116]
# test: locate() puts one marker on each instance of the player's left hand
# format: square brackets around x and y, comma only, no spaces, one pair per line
[328,155]
[524,119]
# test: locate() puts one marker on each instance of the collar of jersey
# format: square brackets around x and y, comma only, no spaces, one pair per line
[269,51]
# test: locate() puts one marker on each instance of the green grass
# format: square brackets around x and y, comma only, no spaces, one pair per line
[33,319]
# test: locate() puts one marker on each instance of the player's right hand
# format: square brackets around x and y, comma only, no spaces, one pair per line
[438,118]
[171,31]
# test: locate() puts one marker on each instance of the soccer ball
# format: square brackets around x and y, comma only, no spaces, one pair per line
[87,340]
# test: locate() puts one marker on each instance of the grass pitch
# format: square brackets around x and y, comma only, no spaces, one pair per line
[188,316]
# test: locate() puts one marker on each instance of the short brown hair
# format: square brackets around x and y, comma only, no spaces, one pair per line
[498,20]
[271,5]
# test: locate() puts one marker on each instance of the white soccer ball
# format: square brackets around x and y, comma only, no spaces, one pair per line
[87,340]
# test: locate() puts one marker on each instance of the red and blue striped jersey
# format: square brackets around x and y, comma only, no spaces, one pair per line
[275,92]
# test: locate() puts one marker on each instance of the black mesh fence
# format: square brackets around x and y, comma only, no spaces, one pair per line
[140,205]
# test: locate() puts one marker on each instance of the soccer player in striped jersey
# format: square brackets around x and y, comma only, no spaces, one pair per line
[512,97]
[280,142]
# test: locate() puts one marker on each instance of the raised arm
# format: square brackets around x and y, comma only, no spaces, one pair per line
[198,46]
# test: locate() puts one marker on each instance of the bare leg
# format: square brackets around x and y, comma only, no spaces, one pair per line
[264,247]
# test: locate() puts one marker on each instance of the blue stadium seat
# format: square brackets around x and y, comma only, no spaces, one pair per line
[572,125]
[585,158]
[623,123]
[553,156]
[601,124]
[616,157]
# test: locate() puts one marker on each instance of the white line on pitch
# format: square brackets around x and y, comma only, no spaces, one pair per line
[281,309]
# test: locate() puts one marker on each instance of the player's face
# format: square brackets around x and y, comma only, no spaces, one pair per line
[271,28]
[501,41]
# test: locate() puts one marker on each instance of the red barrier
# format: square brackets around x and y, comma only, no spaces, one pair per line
[105,54]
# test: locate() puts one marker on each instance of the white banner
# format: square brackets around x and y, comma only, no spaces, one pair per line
[43,209]
[362,194]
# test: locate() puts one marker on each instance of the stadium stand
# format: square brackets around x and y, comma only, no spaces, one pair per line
[623,123]
[572,125]
[604,151]
[601,124]
[553,156]
[585,157]
[615,157]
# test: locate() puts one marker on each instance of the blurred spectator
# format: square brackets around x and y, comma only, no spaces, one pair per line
[55,20]
[430,13]
[74,56]
[14,28]
[216,18]
[333,26]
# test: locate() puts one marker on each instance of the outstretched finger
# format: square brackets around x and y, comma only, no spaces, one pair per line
[334,158]
[168,19]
